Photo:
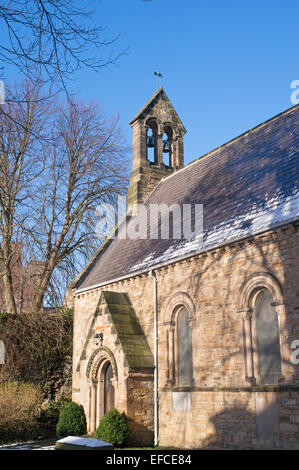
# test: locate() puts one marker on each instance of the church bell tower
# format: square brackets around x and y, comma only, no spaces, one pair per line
[158,148]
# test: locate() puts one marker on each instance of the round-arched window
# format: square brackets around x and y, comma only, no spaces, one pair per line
[184,344]
[267,339]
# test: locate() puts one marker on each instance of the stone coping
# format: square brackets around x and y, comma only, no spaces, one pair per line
[253,388]
[82,443]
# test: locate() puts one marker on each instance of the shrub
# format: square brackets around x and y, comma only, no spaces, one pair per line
[113,428]
[43,344]
[71,420]
[20,405]
[50,412]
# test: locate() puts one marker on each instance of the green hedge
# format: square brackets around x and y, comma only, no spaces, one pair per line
[113,428]
[71,421]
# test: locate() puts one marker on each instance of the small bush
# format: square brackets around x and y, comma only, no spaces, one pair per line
[71,421]
[113,428]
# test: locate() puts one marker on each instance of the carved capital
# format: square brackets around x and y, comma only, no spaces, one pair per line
[247,314]
[251,380]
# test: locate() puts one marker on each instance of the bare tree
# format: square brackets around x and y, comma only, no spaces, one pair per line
[85,165]
[20,166]
[52,38]
[57,163]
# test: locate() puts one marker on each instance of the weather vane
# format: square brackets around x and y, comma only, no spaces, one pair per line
[158,75]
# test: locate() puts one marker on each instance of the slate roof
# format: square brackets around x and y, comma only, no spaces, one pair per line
[246,186]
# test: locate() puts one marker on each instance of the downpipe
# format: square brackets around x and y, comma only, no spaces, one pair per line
[156,441]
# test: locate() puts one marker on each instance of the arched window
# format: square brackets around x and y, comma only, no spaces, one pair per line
[167,147]
[184,350]
[151,143]
[267,339]
[179,316]
[261,305]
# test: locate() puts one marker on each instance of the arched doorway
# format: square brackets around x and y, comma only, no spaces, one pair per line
[102,375]
[108,389]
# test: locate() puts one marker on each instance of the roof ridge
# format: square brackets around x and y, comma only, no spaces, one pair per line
[147,104]
[249,131]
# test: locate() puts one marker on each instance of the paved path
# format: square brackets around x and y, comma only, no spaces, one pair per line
[48,444]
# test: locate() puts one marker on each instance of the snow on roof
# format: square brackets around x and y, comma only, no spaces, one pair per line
[247,186]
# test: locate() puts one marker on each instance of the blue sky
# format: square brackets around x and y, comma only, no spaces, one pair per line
[227,65]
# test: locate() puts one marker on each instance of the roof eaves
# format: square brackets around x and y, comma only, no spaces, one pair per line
[190,255]
[97,253]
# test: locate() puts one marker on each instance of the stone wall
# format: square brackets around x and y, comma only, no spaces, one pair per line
[59,382]
[221,409]
[140,407]
[143,181]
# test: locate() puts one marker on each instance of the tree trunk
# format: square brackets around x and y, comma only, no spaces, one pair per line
[38,301]
[10,304]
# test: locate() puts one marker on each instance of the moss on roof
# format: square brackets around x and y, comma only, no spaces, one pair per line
[128,329]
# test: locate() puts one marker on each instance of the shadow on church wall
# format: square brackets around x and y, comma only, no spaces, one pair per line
[237,428]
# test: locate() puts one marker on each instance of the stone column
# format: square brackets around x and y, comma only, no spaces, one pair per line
[247,319]
[171,359]
[139,146]
[93,406]
[178,152]
[159,149]
[98,404]
[287,369]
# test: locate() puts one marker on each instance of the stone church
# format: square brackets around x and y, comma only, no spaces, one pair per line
[196,339]
[25,279]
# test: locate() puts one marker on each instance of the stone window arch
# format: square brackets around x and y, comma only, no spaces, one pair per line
[262,308]
[180,314]
[267,339]
[152,141]
[167,139]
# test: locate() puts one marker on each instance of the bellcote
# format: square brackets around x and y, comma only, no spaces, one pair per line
[158,147]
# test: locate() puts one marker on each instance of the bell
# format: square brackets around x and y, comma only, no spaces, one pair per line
[150,141]
[166,146]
